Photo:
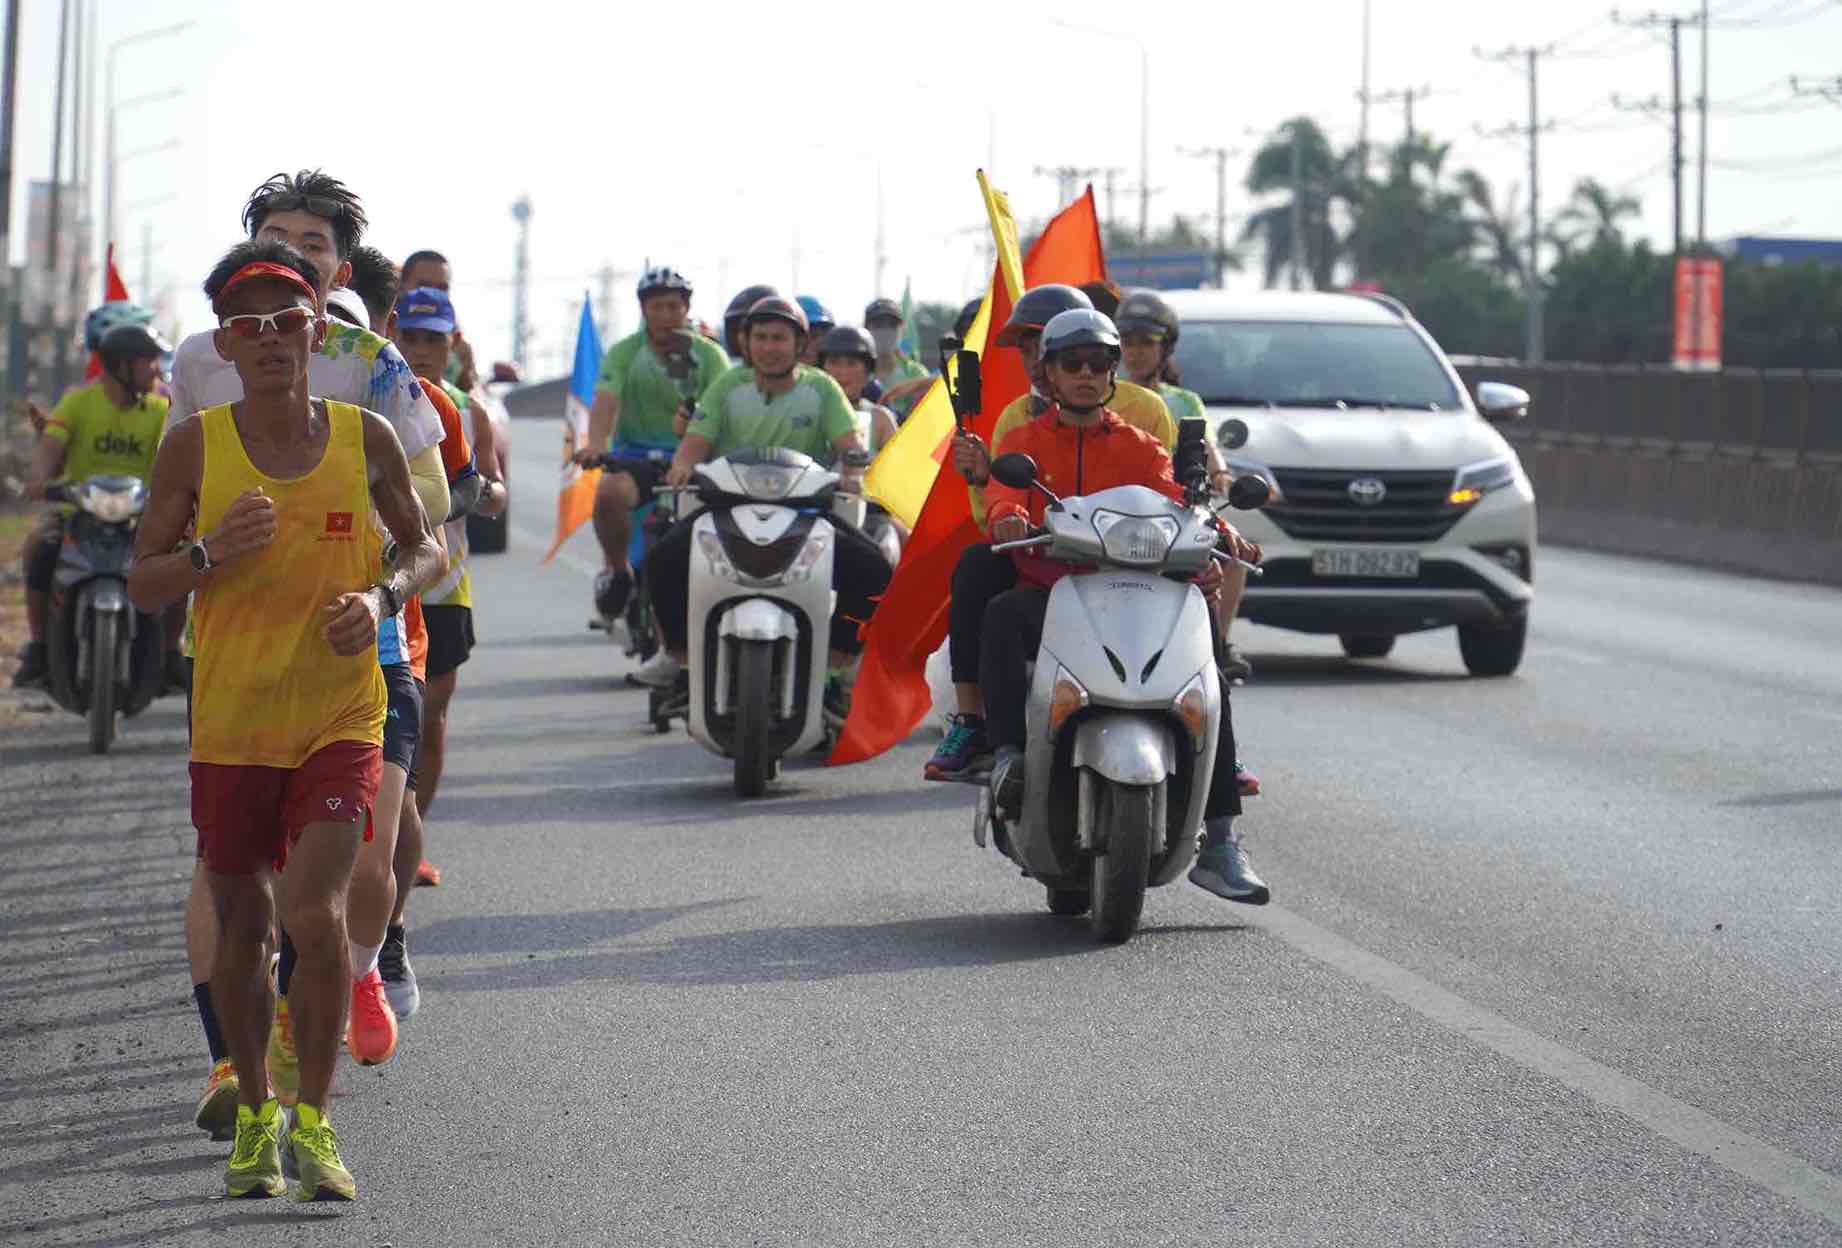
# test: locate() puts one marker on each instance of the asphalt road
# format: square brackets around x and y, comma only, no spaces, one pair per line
[1552,960]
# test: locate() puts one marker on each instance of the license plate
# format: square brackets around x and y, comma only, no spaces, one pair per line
[1401,564]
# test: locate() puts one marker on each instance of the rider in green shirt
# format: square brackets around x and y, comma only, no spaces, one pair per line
[641,405]
[111,428]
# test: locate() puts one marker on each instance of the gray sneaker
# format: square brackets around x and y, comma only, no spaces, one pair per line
[1225,871]
[399,976]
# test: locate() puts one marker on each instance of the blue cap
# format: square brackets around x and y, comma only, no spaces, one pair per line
[425,307]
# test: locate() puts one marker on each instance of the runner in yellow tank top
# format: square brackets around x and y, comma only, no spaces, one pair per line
[287,701]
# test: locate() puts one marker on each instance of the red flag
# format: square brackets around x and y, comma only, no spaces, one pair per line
[114,291]
[892,694]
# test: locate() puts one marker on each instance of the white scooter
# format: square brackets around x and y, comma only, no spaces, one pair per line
[1125,704]
[759,626]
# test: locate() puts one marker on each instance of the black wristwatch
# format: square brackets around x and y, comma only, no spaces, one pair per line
[391,600]
[201,558]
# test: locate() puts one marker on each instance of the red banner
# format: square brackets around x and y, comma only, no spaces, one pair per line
[1698,313]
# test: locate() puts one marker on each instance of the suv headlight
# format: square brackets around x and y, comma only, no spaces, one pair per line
[1243,467]
[1135,539]
[1476,480]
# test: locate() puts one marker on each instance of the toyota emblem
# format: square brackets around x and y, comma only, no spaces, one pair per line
[1367,491]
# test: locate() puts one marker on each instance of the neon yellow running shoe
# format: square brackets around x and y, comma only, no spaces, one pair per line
[310,1155]
[217,1107]
[284,1063]
[255,1160]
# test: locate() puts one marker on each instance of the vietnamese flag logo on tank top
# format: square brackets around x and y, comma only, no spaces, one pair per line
[339,522]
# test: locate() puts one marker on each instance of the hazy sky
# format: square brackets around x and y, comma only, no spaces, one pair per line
[741,141]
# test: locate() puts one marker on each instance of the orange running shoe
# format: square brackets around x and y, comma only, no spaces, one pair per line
[217,1108]
[372,1036]
[428,875]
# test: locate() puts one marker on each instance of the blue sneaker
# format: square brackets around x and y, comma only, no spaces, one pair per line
[964,753]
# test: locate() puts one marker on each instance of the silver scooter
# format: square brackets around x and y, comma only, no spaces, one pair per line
[1124,707]
[759,623]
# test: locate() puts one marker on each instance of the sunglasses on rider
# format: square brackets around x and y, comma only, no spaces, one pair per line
[1099,362]
[289,201]
[255,324]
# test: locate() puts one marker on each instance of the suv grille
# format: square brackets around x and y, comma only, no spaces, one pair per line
[1318,505]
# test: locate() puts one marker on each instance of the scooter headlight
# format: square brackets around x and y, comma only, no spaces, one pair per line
[1192,708]
[1135,539]
[712,547]
[768,480]
[112,506]
[1067,697]
[817,544]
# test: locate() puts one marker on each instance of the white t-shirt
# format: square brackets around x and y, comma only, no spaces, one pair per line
[354,366]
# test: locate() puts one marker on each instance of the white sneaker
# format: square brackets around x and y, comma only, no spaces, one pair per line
[659,672]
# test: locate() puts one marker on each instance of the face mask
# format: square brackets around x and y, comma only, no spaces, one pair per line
[885,337]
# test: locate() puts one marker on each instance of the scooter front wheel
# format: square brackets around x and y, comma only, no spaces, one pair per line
[754,700]
[104,643]
[1124,812]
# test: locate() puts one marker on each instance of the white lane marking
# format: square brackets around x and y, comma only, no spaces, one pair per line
[526,538]
[1790,1176]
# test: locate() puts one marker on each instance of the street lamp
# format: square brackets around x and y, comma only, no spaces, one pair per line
[1144,117]
[109,157]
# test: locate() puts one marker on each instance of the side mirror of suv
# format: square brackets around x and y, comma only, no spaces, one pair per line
[1501,403]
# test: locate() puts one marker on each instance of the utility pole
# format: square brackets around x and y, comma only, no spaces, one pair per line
[1405,96]
[147,249]
[1362,158]
[57,204]
[521,283]
[882,238]
[1533,338]
[10,318]
[1701,153]
[604,303]
[1654,21]
[1067,177]
[1220,156]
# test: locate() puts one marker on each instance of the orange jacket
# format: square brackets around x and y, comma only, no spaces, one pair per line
[1074,460]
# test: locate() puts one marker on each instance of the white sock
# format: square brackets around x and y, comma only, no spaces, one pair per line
[364,958]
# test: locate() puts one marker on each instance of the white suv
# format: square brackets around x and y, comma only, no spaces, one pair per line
[1396,506]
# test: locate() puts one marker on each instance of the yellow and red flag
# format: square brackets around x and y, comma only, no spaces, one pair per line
[892,694]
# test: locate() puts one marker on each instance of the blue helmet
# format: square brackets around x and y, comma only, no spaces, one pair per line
[818,316]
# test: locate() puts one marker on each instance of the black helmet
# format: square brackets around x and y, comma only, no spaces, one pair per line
[745,299]
[1038,307]
[962,324]
[887,309]
[664,277]
[848,340]
[130,342]
[1145,311]
[776,308]
[1080,327]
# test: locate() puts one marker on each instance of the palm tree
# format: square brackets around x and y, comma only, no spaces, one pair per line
[1323,178]
[1592,215]
[1497,228]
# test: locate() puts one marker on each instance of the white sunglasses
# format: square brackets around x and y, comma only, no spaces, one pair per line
[255,324]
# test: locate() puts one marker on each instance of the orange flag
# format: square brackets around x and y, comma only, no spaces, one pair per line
[892,694]
[114,291]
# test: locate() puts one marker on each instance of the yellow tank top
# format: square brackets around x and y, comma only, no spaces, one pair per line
[267,689]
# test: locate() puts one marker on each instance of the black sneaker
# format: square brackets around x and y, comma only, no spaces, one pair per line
[33,668]
[1007,780]
[612,588]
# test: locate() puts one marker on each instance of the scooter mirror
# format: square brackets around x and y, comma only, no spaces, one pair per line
[1249,493]
[1232,435]
[1016,470]
[854,458]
